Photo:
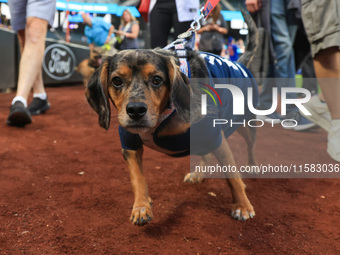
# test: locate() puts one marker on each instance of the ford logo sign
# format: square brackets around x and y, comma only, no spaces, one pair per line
[59,62]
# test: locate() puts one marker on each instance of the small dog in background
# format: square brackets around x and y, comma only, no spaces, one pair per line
[88,66]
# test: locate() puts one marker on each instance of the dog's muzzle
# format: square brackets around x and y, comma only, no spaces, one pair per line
[136,110]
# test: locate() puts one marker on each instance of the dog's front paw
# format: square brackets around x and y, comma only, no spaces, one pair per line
[141,214]
[194,177]
[242,212]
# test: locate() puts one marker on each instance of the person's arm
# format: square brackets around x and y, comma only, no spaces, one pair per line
[120,30]
[205,28]
[109,35]
[210,27]
[221,30]
[134,32]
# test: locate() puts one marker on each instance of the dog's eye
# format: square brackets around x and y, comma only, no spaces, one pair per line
[117,82]
[156,80]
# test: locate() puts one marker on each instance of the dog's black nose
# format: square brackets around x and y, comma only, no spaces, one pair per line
[136,110]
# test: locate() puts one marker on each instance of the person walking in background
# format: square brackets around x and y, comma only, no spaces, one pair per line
[97,31]
[128,31]
[212,32]
[165,14]
[322,24]
[282,16]
[30,19]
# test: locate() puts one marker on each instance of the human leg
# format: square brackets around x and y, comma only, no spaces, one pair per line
[31,58]
[32,45]
[30,19]
[179,27]
[326,106]
[321,21]
[36,14]
[40,103]
[282,34]
[283,29]
[160,23]
[327,68]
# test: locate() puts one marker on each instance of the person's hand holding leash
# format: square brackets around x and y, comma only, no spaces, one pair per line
[109,35]
[253,5]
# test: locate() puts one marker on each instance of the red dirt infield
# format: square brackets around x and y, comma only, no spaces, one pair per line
[65,189]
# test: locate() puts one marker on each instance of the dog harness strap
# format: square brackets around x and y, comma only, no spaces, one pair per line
[184,43]
[184,67]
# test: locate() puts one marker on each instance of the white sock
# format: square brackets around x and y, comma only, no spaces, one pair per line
[20,99]
[42,96]
[335,122]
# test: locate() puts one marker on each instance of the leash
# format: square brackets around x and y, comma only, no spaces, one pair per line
[186,41]
[209,6]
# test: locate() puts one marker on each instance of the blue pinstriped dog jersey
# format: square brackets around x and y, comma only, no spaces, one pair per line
[204,137]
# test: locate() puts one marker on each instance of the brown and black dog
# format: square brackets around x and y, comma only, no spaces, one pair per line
[143,85]
[88,66]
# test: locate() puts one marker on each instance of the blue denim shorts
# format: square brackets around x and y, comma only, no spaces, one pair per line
[22,9]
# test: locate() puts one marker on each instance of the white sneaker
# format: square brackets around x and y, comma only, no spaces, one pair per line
[320,113]
[333,146]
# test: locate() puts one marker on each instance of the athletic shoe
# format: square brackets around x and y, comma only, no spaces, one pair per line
[333,146]
[38,106]
[273,118]
[320,113]
[19,115]
[300,123]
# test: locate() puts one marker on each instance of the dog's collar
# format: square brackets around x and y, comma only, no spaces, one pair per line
[164,115]
[148,137]
[151,139]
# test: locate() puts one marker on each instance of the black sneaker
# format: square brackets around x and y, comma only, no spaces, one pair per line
[38,106]
[19,115]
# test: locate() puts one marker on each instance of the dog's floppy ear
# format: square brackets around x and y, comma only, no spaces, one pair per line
[180,90]
[97,95]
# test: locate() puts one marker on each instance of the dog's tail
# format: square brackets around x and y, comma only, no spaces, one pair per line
[253,39]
